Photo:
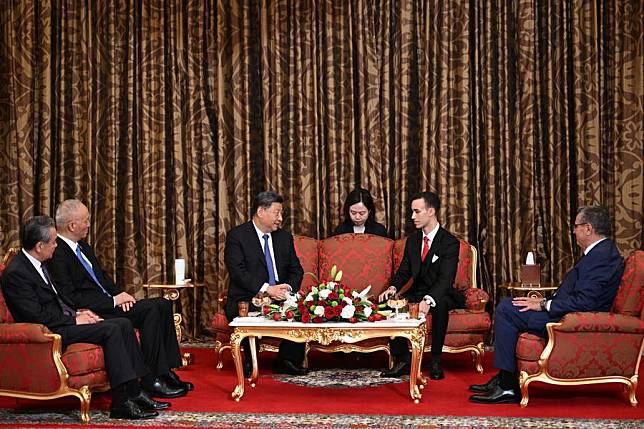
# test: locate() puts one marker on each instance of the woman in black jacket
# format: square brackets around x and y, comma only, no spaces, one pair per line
[359,215]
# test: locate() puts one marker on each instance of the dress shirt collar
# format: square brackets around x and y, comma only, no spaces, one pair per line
[70,243]
[36,263]
[432,234]
[590,247]
[260,234]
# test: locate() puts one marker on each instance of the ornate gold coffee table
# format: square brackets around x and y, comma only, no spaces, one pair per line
[258,327]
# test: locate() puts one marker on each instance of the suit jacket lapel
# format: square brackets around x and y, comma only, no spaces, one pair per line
[70,253]
[255,244]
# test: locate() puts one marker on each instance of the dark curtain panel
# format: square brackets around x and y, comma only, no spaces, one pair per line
[167,117]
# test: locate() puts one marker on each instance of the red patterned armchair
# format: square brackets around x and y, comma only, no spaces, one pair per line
[33,365]
[591,347]
[468,327]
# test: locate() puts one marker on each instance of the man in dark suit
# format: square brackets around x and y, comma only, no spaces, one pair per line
[431,259]
[76,270]
[32,297]
[591,285]
[260,257]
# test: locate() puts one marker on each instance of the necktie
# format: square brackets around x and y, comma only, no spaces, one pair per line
[269,261]
[90,270]
[425,248]
[67,310]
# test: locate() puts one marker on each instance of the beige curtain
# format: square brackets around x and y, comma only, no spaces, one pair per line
[167,117]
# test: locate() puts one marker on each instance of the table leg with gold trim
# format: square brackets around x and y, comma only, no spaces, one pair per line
[412,330]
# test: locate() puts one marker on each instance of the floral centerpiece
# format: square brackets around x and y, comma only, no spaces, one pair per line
[329,301]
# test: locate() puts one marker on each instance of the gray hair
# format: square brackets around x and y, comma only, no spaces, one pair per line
[36,230]
[598,217]
[64,211]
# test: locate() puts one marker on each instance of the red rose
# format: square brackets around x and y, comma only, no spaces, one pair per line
[337,310]
[306,317]
[323,303]
[329,312]
[333,296]
[359,308]
[266,310]
[377,316]
[289,314]
[371,318]
[374,307]
[276,316]
[353,320]
[343,304]
[318,320]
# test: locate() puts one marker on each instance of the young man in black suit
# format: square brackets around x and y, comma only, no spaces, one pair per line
[32,297]
[76,270]
[431,259]
[260,257]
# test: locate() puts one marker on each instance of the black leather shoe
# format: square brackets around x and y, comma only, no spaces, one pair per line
[131,411]
[436,372]
[149,404]
[175,382]
[497,396]
[400,369]
[485,388]
[288,367]
[160,389]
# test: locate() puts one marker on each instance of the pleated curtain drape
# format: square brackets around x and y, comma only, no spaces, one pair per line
[167,117]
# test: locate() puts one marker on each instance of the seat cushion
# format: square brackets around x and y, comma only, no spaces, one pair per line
[83,358]
[221,328]
[463,320]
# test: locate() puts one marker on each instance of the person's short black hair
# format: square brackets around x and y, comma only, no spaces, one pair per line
[265,199]
[36,230]
[360,195]
[431,200]
[598,217]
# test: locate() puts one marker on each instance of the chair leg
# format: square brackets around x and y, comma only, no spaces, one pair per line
[524,380]
[390,358]
[85,398]
[477,357]
[632,390]
[305,362]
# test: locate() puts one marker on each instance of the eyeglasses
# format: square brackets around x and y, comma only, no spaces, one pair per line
[578,224]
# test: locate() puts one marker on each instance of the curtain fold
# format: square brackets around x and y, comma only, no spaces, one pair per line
[167,118]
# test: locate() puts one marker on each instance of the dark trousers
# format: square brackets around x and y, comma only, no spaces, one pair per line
[440,317]
[289,350]
[154,319]
[509,323]
[123,358]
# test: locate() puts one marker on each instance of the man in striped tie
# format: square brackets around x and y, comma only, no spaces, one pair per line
[430,259]
[76,269]
[260,257]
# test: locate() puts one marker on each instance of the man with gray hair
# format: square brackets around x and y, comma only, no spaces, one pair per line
[591,285]
[32,297]
[77,271]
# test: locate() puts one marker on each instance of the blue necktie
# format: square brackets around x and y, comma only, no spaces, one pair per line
[269,261]
[89,269]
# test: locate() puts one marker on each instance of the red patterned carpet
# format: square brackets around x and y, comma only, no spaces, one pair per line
[296,403]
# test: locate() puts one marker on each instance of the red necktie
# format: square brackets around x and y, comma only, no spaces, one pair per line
[425,248]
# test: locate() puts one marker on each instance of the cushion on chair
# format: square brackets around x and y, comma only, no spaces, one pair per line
[630,295]
[462,320]
[307,251]
[94,379]
[462,340]
[364,259]
[475,299]
[463,280]
[83,358]
[221,328]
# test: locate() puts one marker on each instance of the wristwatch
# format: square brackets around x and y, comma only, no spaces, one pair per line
[542,304]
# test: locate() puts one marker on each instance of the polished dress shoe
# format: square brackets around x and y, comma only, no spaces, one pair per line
[400,369]
[287,367]
[485,388]
[131,411]
[497,396]
[148,404]
[436,372]
[176,382]
[160,389]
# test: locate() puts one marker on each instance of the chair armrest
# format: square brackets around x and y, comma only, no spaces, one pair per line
[21,333]
[600,322]
[476,299]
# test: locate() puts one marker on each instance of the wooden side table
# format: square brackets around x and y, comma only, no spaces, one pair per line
[171,293]
[542,290]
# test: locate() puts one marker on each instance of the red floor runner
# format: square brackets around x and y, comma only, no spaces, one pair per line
[445,397]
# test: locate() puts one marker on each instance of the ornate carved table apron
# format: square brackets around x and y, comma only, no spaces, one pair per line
[324,333]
